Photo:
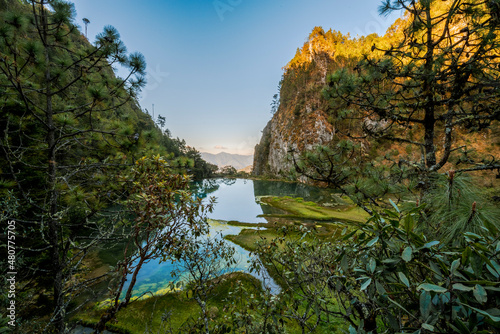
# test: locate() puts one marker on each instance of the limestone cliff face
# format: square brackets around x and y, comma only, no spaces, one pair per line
[287,133]
[301,121]
[305,119]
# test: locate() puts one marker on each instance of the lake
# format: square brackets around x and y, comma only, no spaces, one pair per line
[236,200]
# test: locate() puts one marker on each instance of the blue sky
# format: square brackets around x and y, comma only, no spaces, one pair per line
[213,66]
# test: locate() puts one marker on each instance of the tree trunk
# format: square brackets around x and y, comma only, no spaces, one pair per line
[112,311]
[429,108]
[53,224]
[128,295]
[203,307]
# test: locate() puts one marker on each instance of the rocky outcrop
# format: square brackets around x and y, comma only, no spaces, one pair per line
[261,152]
[288,134]
[304,119]
[301,121]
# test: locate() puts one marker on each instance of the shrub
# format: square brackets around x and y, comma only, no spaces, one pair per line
[386,276]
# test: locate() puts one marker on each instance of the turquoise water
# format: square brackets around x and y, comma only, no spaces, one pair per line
[237,200]
[155,276]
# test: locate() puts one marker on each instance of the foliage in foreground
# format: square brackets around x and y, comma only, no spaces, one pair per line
[164,215]
[386,277]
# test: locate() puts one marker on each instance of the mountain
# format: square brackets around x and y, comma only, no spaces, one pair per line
[227,159]
[301,121]
[310,115]
[247,169]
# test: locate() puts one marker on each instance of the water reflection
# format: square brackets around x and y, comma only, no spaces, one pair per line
[292,189]
[204,188]
[236,200]
[155,276]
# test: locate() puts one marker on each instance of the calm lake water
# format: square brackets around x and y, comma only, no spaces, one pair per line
[237,200]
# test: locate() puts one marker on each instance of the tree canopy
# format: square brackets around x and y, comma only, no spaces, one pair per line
[71,128]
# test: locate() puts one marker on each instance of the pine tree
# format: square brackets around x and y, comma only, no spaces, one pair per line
[432,80]
[86,21]
[58,96]
[435,82]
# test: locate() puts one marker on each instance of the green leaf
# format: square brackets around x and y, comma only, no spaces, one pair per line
[480,294]
[344,264]
[472,235]
[380,288]
[371,265]
[481,282]
[404,279]
[425,304]
[366,284]
[455,264]
[428,327]
[372,242]
[352,330]
[393,214]
[477,264]
[435,268]
[393,322]
[466,255]
[395,223]
[407,254]
[430,244]
[494,269]
[349,236]
[431,287]
[492,317]
[408,223]
[394,205]
[400,306]
[461,287]
[460,327]
[391,261]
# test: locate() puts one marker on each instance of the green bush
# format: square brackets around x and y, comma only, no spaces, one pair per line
[413,284]
[386,276]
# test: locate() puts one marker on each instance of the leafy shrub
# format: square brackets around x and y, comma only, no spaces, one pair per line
[386,276]
[412,284]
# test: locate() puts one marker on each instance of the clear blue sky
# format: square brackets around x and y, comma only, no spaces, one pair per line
[213,66]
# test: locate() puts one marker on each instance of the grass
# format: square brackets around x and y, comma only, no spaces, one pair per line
[171,310]
[326,222]
[248,238]
[297,208]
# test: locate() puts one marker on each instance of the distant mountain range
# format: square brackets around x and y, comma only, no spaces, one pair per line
[227,159]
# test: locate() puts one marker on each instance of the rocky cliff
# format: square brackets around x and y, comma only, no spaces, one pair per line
[301,121]
[286,134]
[305,119]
